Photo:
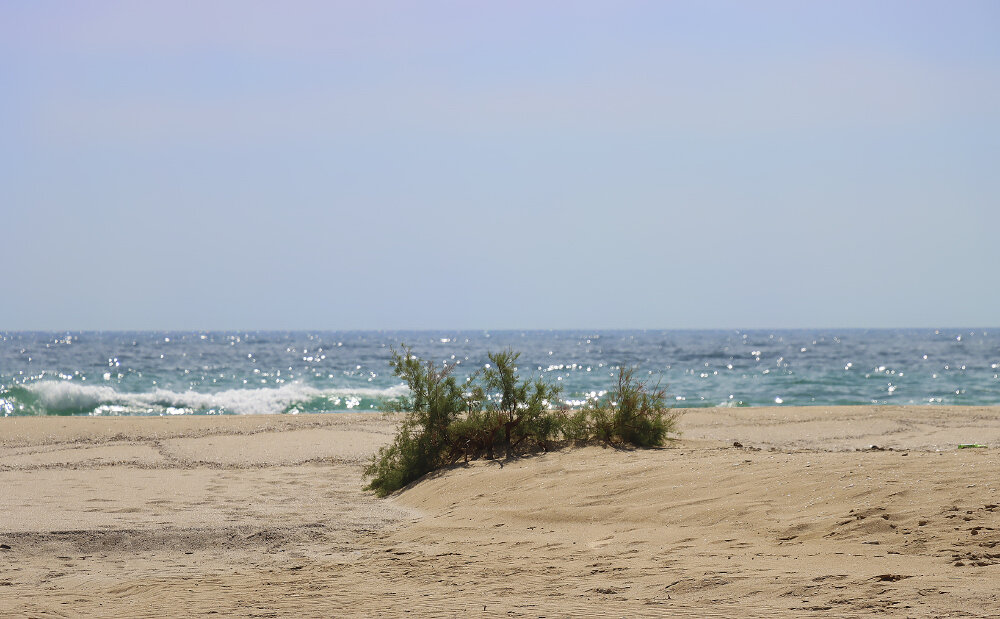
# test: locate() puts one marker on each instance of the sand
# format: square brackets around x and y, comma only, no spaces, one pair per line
[265,517]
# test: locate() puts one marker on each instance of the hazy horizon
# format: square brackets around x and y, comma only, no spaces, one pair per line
[938,329]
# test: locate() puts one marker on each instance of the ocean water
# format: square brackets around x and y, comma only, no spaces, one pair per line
[173,373]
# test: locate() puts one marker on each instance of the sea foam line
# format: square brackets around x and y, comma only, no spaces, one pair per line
[67,396]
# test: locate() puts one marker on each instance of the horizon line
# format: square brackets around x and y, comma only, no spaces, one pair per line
[488,330]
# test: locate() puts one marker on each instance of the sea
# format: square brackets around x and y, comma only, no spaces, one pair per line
[278,372]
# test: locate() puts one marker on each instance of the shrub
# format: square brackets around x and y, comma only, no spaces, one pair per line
[424,441]
[632,413]
[446,421]
[515,411]
[445,424]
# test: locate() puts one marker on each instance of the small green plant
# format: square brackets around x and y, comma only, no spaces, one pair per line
[632,413]
[495,408]
[514,410]
[445,423]
[425,440]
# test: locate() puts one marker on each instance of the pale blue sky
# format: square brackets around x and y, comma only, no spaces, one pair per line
[334,165]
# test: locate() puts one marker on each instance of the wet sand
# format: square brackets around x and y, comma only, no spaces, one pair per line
[264,516]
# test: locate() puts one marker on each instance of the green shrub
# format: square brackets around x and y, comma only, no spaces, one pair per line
[632,413]
[514,411]
[425,440]
[445,423]
[497,409]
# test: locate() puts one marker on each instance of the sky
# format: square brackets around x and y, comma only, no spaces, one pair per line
[499,165]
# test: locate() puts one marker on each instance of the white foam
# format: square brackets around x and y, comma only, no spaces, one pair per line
[66,395]
[60,395]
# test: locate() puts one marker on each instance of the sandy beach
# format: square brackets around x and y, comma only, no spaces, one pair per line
[753,512]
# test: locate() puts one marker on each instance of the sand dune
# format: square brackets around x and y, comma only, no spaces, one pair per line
[264,516]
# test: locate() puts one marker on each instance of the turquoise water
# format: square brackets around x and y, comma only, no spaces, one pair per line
[161,373]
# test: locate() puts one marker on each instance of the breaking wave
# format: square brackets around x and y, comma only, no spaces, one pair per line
[53,397]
